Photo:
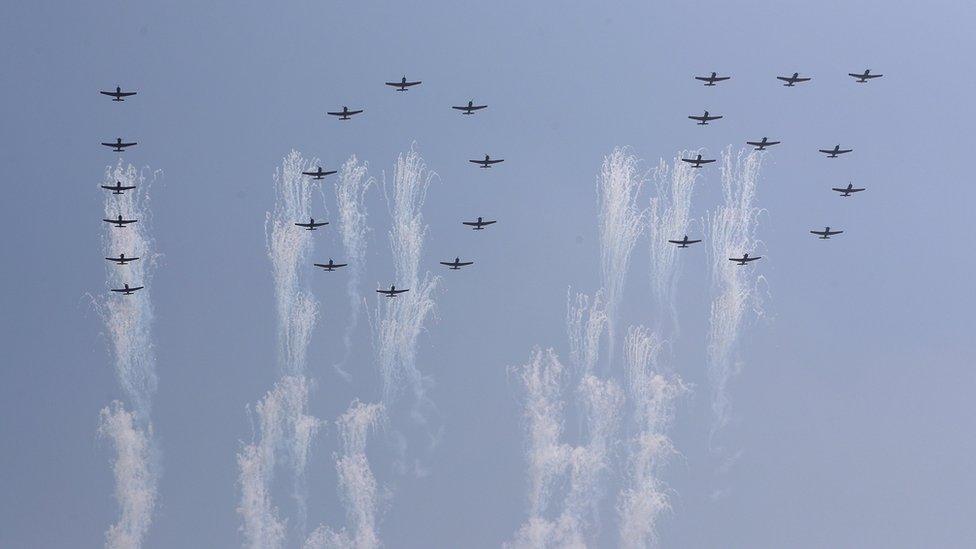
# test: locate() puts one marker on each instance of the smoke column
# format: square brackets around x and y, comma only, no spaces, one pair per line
[669,218]
[284,423]
[128,322]
[732,230]
[620,222]
[356,483]
[403,317]
[585,324]
[351,198]
[653,392]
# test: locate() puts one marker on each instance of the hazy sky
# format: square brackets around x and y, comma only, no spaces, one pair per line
[852,411]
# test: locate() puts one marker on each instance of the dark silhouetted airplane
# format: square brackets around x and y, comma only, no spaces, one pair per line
[330,266]
[127,290]
[118,94]
[487,162]
[683,243]
[119,222]
[826,233]
[345,113]
[312,225]
[862,78]
[457,264]
[402,85]
[392,292]
[704,119]
[791,80]
[478,225]
[711,80]
[319,174]
[846,191]
[470,108]
[833,153]
[119,146]
[118,187]
[761,145]
[744,259]
[697,161]
[121,260]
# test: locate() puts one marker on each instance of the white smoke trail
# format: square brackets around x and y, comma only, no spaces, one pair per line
[585,324]
[669,216]
[351,198]
[653,392]
[135,476]
[356,482]
[621,222]
[403,317]
[732,231]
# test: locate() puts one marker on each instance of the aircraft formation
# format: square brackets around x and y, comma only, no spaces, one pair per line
[788,81]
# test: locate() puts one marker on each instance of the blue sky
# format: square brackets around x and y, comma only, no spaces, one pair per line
[852,411]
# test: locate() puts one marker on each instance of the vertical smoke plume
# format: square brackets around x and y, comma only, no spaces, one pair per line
[284,422]
[585,324]
[351,198]
[402,318]
[732,230]
[356,482]
[669,216]
[128,322]
[621,222]
[653,392]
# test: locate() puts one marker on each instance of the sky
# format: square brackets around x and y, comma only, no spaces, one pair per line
[851,419]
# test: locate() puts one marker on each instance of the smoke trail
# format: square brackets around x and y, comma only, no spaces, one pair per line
[403,317]
[621,222]
[653,392]
[585,323]
[351,197]
[732,231]
[135,476]
[356,481]
[669,220]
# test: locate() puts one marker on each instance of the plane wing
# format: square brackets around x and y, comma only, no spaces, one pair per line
[471,108]
[784,78]
[696,161]
[475,223]
[458,264]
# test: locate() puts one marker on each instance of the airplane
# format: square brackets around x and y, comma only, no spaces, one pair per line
[402,85]
[312,225]
[345,113]
[478,225]
[697,161]
[118,94]
[118,187]
[470,108]
[319,174]
[683,243]
[862,78]
[744,259]
[795,79]
[126,290]
[330,266]
[119,146]
[119,222]
[711,80]
[826,233]
[392,292]
[121,260]
[487,162]
[457,264]
[846,191]
[704,119]
[832,153]
[761,145]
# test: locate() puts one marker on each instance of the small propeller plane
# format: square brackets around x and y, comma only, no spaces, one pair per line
[826,233]
[126,290]
[487,162]
[319,173]
[118,94]
[118,187]
[456,264]
[846,191]
[119,146]
[312,225]
[684,242]
[697,161]
[344,114]
[478,225]
[470,108]
[402,85]
[862,78]
[704,119]
[744,259]
[121,260]
[795,79]
[833,153]
[761,145]
[392,292]
[711,80]
[119,222]
[330,266]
